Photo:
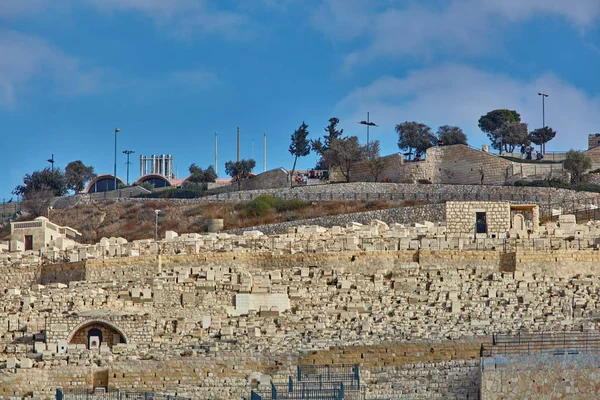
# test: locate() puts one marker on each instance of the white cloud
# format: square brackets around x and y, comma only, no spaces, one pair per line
[185,18]
[25,58]
[460,27]
[459,95]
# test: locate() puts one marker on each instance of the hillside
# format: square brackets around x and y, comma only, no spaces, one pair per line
[134,220]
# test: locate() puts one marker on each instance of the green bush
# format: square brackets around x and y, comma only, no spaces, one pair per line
[265,203]
[554,182]
[586,187]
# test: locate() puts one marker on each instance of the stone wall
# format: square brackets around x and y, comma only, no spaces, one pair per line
[461,216]
[456,164]
[575,377]
[400,215]
[413,319]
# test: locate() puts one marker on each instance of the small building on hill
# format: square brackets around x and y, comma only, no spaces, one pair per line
[39,233]
[491,219]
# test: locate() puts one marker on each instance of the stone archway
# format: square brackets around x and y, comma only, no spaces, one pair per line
[519,222]
[107,333]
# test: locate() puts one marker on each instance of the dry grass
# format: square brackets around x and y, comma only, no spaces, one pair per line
[133,220]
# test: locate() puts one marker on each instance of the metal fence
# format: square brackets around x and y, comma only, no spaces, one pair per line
[91,394]
[548,343]
[317,382]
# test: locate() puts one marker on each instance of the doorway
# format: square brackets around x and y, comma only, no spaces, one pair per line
[28,242]
[480,222]
[94,333]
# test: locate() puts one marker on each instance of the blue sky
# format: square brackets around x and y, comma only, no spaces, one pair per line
[171,73]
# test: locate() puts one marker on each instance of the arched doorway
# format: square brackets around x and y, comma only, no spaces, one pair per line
[94,334]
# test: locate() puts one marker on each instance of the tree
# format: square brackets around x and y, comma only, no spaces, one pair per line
[198,175]
[414,135]
[37,202]
[321,147]
[77,175]
[493,120]
[576,162]
[374,161]
[239,170]
[541,136]
[345,153]
[512,134]
[46,179]
[451,135]
[300,146]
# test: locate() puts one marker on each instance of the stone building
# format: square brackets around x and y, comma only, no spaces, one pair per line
[491,219]
[593,141]
[39,233]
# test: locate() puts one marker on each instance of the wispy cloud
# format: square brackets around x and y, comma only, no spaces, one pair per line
[30,65]
[24,58]
[456,27]
[186,18]
[459,95]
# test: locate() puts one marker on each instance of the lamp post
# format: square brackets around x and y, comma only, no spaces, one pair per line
[544,95]
[51,161]
[115,176]
[128,152]
[368,123]
[156,212]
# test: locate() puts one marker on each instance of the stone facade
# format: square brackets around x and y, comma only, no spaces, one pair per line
[414,320]
[39,233]
[456,164]
[461,217]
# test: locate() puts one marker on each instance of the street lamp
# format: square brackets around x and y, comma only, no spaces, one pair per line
[156,212]
[544,95]
[368,123]
[51,161]
[115,177]
[128,152]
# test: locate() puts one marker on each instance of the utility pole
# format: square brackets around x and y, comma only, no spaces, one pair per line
[368,123]
[51,161]
[216,153]
[156,212]
[544,95]
[238,144]
[115,172]
[265,152]
[128,152]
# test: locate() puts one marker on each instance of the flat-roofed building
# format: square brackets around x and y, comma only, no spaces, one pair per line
[39,233]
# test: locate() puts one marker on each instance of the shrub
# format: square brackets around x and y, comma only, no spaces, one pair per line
[386,180]
[424,181]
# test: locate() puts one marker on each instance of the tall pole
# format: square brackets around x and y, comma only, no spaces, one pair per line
[128,152]
[368,122]
[238,144]
[156,212]
[216,153]
[265,152]
[51,161]
[544,95]
[253,149]
[115,171]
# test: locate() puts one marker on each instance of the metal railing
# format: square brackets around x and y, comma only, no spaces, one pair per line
[549,343]
[318,382]
[91,394]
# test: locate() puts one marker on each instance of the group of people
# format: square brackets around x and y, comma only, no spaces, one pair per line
[312,174]
[527,153]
